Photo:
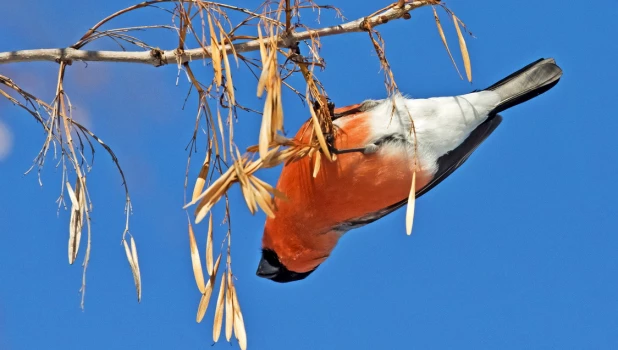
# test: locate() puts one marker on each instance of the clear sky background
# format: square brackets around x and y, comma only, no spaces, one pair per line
[518,249]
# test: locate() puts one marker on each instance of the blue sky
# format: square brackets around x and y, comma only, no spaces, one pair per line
[516,250]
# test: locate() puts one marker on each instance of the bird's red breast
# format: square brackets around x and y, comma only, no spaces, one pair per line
[354,186]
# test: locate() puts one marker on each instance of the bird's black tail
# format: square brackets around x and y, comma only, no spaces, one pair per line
[528,82]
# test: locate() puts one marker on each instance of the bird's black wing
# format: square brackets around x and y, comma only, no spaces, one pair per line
[455,158]
[447,164]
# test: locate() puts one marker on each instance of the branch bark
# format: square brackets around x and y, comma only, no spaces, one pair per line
[162,57]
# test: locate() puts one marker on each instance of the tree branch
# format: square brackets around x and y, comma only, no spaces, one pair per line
[162,57]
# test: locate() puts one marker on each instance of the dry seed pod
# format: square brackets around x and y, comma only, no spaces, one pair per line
[204,301]
[218,321]
[411,203]
[464,49]
[239,323]
[443,37]
[196,262]
[209,249]
[229,309]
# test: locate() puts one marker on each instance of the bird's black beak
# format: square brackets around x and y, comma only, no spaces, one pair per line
[270,267]
[267,270]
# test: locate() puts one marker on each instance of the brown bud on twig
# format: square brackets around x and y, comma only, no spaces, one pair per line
[406,15]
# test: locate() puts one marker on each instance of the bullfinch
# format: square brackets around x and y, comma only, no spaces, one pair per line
[379,145]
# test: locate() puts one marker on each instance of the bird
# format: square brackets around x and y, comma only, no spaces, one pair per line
[380,144]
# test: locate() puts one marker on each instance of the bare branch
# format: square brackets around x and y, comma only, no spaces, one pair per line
[161,57]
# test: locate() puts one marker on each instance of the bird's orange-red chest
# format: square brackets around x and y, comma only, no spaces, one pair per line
[353,186]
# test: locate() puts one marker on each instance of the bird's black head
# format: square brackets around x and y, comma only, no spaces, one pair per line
[270,267]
